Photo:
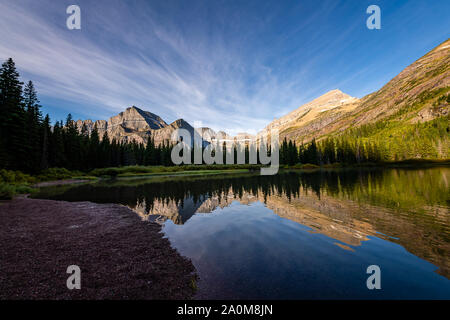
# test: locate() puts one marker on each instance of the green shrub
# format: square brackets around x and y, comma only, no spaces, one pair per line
[7,176]
[21,189]
[57,174]
[7,191]
[15,177]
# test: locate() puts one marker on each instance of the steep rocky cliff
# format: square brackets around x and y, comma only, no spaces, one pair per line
[136,125]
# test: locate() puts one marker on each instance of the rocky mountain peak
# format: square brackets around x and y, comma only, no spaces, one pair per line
[180,123]
[137,119]
[410,97]
[329,100]
[133,124]
[334,99]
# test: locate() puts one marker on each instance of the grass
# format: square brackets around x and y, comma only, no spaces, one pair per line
[183,173]
[18,177]
[161,170]
[13,183]
[8,191]
[416,163]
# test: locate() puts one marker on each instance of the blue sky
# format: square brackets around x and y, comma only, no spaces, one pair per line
[233,65]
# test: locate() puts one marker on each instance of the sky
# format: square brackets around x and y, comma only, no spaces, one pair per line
[229,65]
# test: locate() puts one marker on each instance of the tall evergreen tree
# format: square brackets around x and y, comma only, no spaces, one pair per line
[45,143]
[12,115]
[33,126]
[94,144]
[105,151]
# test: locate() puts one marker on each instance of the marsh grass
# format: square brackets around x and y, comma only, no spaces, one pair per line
[155,170]
[8,191]
[13,183]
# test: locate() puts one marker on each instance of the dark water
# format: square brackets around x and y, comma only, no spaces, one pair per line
[299,235]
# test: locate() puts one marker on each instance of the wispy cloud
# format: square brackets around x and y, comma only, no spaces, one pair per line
[199,77]
[229,68]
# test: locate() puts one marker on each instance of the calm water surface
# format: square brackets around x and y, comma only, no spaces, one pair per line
[299,235]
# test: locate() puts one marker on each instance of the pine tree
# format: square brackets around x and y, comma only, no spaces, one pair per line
[105,151]
[57,156]
[312,153]
[12,115]
[284,152]
[33,127]
[94,144]
[149,157]
[291,154]
[72,145]
[45,143]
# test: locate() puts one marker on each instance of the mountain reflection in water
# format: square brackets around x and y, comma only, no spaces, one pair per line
[409,207]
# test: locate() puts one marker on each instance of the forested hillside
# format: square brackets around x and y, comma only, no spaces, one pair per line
[408,118]
[29,143]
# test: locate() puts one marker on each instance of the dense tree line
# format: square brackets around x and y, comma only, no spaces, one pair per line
[394,138]
[331,150]
[78,149]
[30,144]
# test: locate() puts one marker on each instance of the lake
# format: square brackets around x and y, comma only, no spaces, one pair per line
[298,235]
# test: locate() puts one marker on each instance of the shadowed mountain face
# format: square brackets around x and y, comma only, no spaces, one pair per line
[407,207]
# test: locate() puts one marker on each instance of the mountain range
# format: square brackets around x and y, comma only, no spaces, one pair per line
[410,97]
[418,94]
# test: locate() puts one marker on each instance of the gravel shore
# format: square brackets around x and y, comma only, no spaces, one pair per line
[120,256]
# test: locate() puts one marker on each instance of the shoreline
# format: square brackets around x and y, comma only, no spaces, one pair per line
[120,256]
[60,182]
[9,190]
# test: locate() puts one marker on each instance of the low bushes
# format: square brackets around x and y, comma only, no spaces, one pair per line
[8,191]
[17,182]
[18,177]
[15,177]
[14,182]
[58,174]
